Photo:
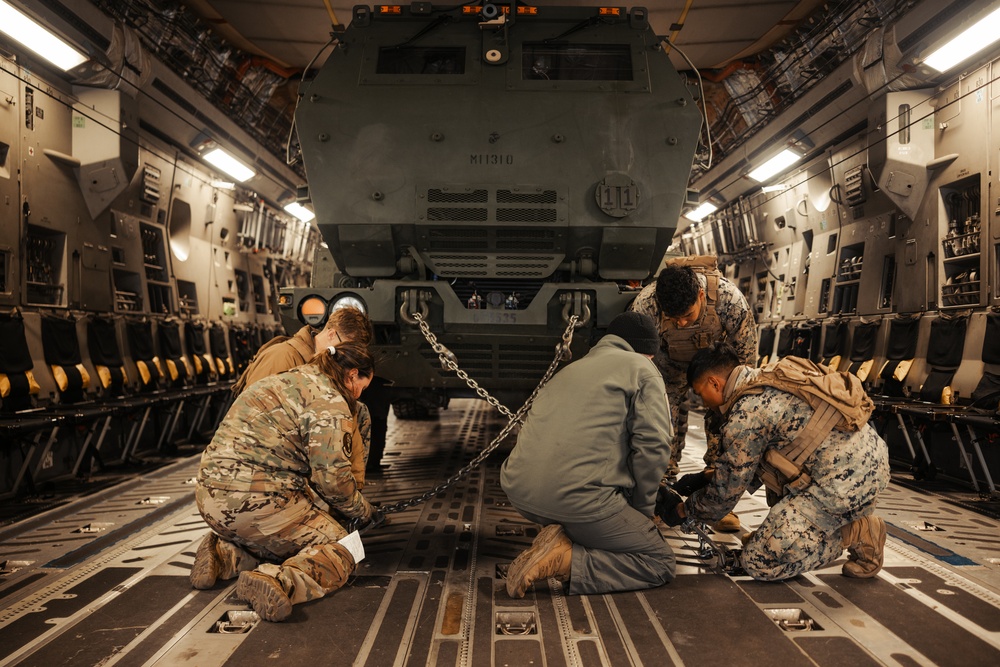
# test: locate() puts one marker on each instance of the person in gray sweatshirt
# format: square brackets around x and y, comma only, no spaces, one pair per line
[587,466]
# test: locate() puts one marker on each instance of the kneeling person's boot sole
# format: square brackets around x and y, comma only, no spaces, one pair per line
[206,566]
[265,595]
[541,560]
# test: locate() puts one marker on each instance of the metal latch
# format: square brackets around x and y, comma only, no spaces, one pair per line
[516,623]
[793,620]
[235,622]
[94,527]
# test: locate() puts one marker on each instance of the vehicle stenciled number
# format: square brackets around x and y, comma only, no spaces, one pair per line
[494,317]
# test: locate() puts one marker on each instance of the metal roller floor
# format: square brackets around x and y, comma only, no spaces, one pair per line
[102,581]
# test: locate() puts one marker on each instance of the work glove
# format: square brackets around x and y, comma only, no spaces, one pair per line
[375,519]
[667,506]
[378,518]
[691,482]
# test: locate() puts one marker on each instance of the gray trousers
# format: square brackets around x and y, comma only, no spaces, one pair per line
[624,552]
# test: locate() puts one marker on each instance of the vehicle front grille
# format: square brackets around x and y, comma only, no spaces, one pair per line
[487,363]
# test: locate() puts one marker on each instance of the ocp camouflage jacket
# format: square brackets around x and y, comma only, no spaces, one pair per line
[287,432]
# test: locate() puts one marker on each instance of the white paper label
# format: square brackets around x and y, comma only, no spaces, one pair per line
[354,545]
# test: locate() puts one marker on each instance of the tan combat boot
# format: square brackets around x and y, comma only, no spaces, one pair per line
[207,563]
[727,524]
[864,540]
[265,595]
[550,555]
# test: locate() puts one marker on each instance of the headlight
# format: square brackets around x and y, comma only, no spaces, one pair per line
[347,301]
[313,311]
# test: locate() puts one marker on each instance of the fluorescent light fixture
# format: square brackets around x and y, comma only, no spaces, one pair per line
[223,185]
[775,165]
[697,214]
[300,211]
[19,27]
[982,34]
[780,187]
[229,164]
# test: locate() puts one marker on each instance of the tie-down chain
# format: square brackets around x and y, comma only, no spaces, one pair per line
[449,361]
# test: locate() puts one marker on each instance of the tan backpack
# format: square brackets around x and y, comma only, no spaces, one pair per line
[838,401]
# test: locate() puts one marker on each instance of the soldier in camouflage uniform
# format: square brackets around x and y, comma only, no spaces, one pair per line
[811,525]
[283,353]
[286,441]
[695,306]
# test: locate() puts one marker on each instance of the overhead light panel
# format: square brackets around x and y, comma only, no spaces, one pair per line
[27,31]
[300,211]
[701,212]
[775,165]
[780,187]
[969,42]
[223,185]
[229,164]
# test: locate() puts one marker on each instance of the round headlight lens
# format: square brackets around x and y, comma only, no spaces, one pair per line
[313,311]
[347,301]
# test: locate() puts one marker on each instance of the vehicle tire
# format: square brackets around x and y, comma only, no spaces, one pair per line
[376,397]
[410,409]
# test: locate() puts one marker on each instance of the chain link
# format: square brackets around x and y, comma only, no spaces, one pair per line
[513,418]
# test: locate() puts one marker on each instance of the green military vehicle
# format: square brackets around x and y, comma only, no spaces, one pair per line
[493,171]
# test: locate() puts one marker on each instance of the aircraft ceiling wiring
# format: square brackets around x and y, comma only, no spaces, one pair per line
[703,106]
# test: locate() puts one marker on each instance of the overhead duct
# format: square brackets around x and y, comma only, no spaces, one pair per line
[126,65]
[901,150]
[878,64]
[106,143]
[106,118]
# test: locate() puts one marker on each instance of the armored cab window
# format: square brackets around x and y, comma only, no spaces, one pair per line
[421,60]
[576,62]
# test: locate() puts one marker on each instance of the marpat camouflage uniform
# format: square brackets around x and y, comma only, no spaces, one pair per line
[739,330]
[283,447]
[802,530]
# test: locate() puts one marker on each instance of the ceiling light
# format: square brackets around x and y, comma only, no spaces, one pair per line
[300,211]
[980,35]
[223,185]
[31,34]
[775,165]
[774,188]
[699,213]
[229,164]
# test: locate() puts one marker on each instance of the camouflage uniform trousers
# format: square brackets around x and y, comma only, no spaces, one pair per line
[798,535]
[296,539]
[677,393]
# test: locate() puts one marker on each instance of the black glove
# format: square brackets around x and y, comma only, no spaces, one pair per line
[667,504]
[690,483]
[378,518]
[374,520]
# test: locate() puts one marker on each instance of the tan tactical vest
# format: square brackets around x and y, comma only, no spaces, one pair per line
[838,401]
[683,343]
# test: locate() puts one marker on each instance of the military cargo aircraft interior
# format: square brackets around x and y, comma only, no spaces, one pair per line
[309,312]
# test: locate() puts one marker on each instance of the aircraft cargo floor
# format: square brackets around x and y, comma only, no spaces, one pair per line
[103,580]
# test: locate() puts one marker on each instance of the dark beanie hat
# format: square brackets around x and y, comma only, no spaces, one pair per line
[637,330]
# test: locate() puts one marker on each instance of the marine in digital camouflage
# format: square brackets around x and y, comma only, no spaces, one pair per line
[738,329]
[276,483]
[802,530]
